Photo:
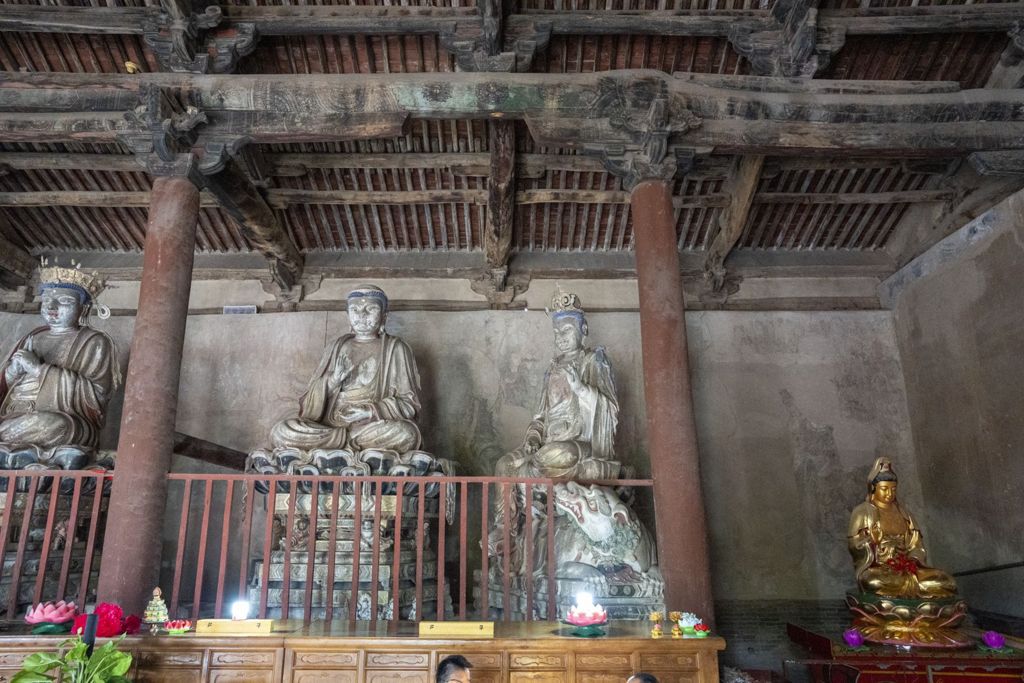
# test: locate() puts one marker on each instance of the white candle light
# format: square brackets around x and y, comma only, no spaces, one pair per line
[240,610]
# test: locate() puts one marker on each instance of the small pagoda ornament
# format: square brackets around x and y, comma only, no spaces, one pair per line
[156,612]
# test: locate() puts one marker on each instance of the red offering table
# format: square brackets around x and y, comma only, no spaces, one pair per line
[530,652]
[834,662]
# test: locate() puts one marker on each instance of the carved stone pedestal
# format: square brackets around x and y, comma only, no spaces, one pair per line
[299,545]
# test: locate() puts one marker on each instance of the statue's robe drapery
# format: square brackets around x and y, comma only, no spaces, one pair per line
[872,559]
[392,393]
[576,431]
[65,404]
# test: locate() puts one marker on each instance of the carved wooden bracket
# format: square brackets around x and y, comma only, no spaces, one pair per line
[166,131]
[795,47]
[648,159]
[468,43]
[197,42]
[499,288]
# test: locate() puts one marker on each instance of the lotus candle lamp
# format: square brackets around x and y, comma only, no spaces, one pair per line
[178,627]
[51,617]
[586,616]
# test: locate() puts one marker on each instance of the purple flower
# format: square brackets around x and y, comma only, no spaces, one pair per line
[993,640]
[853,637]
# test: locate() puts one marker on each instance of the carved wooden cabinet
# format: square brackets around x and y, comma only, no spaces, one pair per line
[536,652]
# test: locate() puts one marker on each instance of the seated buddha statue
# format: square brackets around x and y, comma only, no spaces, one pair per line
[58,379]
[887,547]
[903,600]
[364,393]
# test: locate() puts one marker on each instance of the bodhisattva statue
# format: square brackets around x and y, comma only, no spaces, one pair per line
[58,379]
[572,436]
[902,600]
[600,545]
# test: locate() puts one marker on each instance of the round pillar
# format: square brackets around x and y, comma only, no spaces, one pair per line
[132,545]
[671,428]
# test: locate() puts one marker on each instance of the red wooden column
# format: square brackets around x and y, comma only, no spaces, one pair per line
[132,545]
[671,429]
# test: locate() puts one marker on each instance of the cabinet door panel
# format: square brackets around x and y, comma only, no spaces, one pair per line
[606,677]
[237,675]
[397,677]
[538,677]
[324,676]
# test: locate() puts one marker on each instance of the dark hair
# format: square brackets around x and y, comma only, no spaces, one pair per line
[452,663]
[642,677]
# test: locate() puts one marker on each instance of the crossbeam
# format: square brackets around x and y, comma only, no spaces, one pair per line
[323,20]
[577,110]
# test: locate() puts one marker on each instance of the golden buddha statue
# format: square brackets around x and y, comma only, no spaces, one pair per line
[903,601]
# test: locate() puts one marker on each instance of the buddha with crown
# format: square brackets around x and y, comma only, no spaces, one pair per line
[57,381]
[902,600]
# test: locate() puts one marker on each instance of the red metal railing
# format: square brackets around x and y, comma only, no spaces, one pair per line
[361,547]
[367,547]
[51,532]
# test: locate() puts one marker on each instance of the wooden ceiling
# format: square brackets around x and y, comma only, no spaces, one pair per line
[429,185]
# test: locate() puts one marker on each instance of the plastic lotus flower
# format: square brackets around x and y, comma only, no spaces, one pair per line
[51,613]
[688,620]
[853,638]
[993,640]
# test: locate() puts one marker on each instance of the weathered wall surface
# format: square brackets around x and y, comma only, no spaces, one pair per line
[792,409]
[960,329]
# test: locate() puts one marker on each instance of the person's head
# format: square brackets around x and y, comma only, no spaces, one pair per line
[642,677]
[367,310]
[453,669]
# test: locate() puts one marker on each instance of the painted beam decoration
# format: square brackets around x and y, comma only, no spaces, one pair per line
[602,110]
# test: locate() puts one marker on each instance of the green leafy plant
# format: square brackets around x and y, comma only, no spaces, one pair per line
[71,664]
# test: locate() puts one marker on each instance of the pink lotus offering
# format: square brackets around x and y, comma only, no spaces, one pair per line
[585,612]
[52,613]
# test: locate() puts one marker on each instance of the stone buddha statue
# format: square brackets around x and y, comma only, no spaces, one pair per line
[903,600]
[365,391]
[58,379]
[572,435]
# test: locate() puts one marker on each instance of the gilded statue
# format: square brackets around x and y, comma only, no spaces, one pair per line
[572,435]
[365,391]
[903,600]
[58,379]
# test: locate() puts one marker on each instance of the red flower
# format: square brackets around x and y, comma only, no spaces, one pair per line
[111,621]
[132,624]
[701,627]
[902,564]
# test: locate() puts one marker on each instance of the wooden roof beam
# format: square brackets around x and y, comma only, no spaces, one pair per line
[236,194]
[591,112]
[314,20]
[741,187]
[277,198]
[16,264]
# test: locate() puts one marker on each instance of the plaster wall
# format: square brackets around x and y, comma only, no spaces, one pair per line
[791,408]
[960,329]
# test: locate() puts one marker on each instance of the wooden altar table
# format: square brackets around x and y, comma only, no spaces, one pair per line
[522,652]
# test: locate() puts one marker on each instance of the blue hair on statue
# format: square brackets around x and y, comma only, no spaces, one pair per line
[369,294]
[577,316]
[83,295]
